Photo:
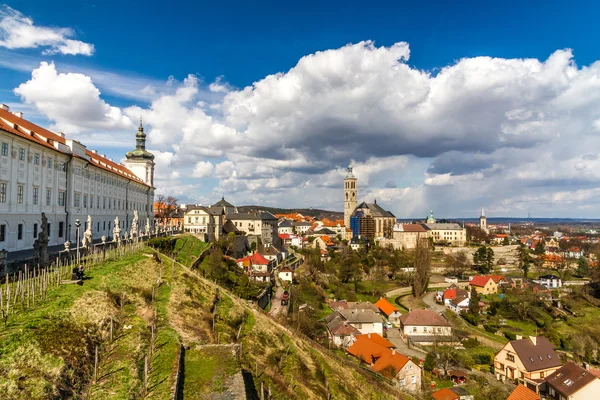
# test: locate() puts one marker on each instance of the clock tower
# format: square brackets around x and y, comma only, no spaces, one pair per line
[350,196]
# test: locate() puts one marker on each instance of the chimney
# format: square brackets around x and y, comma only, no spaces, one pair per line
[533,340]
[103,155]
[95,151]
[4,107]
[369,335]
[519,337]
[18,114]
[62,135]
[393,351]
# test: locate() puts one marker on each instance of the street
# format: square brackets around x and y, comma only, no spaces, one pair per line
[394,335]
[276,307]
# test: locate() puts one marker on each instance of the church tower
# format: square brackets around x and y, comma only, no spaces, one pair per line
[350,196]
[140,161]
[483,222]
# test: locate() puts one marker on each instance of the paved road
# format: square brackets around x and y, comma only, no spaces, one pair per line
[395,336]
[429,300]
[407,290]
[276,307]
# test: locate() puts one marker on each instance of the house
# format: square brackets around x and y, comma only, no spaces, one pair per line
[322,242]
[285,274]
[523,393]
[284,227]
[383,359]
[227,207]
[301,227]
[206,222]
[391,312]
[452,293]
[486,284]
[363,321]
[357,243]
[454,393]
[528,361]
[551,260]
[451,233]
[551,281]
[261,224]
[256,267]
[575,252]
[290,240]
[457,376]
[425,326]
[573,383]
[340,332]
[270,253]
[459,304]
[405,236]
[345,305]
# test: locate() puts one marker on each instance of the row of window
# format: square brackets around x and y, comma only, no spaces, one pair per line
[61,231]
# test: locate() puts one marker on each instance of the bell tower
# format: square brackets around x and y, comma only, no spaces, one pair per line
[483,222]
[350,196]
[140,161]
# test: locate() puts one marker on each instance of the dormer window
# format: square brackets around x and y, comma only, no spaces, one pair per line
[531,359]
[568,382]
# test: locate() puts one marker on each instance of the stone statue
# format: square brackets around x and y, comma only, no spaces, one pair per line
[88,234]
[117,231]
[135,225]
[103,239]
[67,246]
[147,226]
[40,245]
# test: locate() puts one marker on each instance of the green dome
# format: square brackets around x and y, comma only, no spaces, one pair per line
[140,152]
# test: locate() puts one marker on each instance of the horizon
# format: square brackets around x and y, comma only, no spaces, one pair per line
[433,107]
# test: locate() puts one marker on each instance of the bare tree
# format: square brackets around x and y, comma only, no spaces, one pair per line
[165,207]
[422,266]
[457,264]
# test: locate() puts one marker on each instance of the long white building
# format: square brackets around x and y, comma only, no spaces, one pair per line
[42,171]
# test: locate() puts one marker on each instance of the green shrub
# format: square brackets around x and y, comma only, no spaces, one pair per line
[470,318]
[510,335]
[482,358]
[164,245]
[493,328]
[470,343]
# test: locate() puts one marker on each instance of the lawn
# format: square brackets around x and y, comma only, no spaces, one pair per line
[211,368]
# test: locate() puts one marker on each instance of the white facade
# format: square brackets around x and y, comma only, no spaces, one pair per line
[420,330]
[286,275]
[204,222]
[41,171]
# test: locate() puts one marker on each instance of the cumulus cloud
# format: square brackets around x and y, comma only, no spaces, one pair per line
[70,100]
[507,134]
[18,31]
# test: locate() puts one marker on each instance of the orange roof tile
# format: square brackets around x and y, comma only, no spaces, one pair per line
[390,363]
[366,349]
[479,280]
[376,338]
[523,393]
[385,306]
[445,394]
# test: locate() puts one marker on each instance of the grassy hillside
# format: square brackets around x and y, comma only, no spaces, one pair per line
[312,212]
[48,351]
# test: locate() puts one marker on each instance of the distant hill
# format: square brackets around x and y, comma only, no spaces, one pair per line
[312,212]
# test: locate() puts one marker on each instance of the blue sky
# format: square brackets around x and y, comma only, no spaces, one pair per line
[450,107]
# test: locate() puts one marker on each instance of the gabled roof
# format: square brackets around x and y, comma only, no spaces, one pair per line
[376,338]
[361,305]
[338,325]
[223,203]
[523,393]
[415,228]
[480,280]
[285,224]
[366,349]
[385,306]
[570,378]
[390,360]
[423,318]
[538,356]
[254,259]
[360,316]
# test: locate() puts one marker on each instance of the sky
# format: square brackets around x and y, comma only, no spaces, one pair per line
[443,106]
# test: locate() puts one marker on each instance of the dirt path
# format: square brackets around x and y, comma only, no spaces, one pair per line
[429,300]
[408,289]
[276,307]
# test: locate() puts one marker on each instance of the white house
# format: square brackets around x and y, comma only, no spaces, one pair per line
[43,171]
[424,323]
[204,221]
[285,227]
[286,275]
[550,281]
[459,304]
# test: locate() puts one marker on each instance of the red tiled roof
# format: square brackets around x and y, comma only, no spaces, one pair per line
[523,393]
[390,360]
[445,394]
[385,306]
[254,259]
[449,294]
[423,318]
[366,349]
[44,137]
[479,280]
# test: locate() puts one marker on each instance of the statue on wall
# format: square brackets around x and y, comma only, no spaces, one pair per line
[135,225]
[117,231]
[40,245]
[148,227]
[88,234]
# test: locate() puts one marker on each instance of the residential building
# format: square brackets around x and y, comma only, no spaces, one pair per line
[362,320]
[350,196]
[285,274]
[425,326]
[227,207]
[452,293]
[204,222]
[271,253]
[551,281]
[256,267]
[487,284]
[571,382]
[575,252]
[285,227]
[459,303]
[405,236]
[391,312]
[451,233]
[301,227]
[340,332]
[261,224]
[291,240]
[385,360]
[528,361]
[44,172]
[322,242]
[345,305]
[372,221]
[523,393]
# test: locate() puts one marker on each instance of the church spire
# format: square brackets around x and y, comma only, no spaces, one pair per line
[482,212]
[140,151]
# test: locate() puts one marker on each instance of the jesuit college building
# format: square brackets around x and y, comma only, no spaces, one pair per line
[42,171]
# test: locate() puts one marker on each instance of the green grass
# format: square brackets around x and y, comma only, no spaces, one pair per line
[188,248]
[208,370]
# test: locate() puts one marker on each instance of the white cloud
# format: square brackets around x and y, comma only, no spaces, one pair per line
[203,169]
[71,101]
[219,85]
[18,31]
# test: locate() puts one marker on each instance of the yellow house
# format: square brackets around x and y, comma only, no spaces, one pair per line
[484,284]
[528,361]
